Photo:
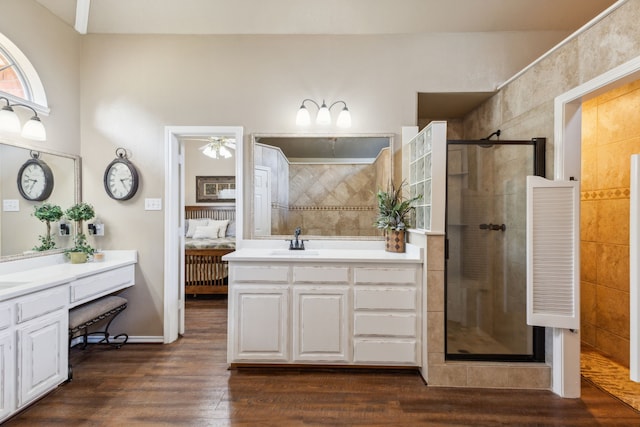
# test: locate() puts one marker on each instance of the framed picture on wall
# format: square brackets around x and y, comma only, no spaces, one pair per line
[215,189]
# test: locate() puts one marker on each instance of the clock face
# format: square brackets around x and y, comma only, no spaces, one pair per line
[35,180]
[121,180]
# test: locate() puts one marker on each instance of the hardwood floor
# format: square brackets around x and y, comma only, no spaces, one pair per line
[188,384]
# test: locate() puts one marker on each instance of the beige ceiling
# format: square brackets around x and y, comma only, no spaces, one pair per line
[328,16]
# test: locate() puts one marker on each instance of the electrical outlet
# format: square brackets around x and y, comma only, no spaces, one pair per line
[152,204]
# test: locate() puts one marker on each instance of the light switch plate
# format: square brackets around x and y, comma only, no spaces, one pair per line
[152,204]
[10,205]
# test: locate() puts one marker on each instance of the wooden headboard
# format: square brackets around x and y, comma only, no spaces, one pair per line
[211,212]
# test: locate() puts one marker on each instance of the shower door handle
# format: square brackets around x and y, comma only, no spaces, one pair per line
[493,227]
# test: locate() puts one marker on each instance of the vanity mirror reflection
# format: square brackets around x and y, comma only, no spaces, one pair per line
[19,228]
[325,184]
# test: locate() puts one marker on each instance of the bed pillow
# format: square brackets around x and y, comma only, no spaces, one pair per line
[231,229]
[206,232]
[192,224]
[221,224]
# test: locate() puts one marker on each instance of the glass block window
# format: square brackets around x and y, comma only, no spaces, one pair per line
[420,176]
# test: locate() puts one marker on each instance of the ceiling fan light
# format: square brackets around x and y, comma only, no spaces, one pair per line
[9,121]
[224,152]
[209,151]
[34,129]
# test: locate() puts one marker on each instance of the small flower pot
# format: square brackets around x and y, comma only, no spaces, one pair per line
[77,257]
[395,241]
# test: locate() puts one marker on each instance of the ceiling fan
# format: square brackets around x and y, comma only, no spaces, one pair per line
[217,147]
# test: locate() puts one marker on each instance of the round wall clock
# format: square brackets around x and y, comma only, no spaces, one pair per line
[35,179]
[121,177]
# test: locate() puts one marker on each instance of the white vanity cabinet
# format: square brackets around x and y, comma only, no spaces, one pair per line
[343,313]
[34,323]
[7,361]
[259,307]
[42,343]
[386,316]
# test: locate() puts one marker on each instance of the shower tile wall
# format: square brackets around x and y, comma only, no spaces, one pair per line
[332,199]
[610,134]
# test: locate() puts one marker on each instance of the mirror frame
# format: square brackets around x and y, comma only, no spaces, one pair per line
[77,191]
[249,196]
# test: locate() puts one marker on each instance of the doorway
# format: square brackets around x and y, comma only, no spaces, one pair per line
[568,165]
[485,263]
[608,141]
[174,292]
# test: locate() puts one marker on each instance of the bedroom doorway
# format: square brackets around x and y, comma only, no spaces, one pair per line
[180,187]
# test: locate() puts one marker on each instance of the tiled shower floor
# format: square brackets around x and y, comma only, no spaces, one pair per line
[464,340]
[609,376]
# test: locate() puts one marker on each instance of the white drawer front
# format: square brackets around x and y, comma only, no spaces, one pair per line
[390,276]
[320,275]
[41,303]
[385,298]
[102,283]
[389,324]
[265,274]
[385,352]
[5,316]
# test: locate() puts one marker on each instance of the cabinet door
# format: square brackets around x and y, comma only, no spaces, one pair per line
[42,355]
[7,374]
[320,323]
[258,323]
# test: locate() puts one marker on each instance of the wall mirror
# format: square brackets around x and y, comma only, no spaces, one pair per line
[324,184]
[19,228]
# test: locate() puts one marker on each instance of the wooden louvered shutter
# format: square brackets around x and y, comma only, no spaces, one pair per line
[553,253]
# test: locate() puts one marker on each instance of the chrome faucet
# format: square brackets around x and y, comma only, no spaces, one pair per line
[296,245]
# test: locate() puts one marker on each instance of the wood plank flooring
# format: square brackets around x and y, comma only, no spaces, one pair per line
[187,383]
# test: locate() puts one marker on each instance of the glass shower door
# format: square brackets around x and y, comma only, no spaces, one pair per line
[486,264]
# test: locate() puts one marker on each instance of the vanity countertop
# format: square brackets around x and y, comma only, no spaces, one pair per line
[44,275]
[413,255]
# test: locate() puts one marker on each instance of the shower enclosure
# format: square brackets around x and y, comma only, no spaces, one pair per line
[486,250]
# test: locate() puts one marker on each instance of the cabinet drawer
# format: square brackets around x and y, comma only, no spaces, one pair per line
[384,352]
[320,275]
[264,274]
[41,303]
[102,283]
[389,276]
[5,316]
[389,324]
[385,298]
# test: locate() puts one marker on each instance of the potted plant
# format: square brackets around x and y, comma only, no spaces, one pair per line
[393,216]
[81,250]
[47,213]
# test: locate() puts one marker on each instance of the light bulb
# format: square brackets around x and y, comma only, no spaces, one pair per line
[344,118]
[303,118]
[324,117]
[9,121]
[34,129]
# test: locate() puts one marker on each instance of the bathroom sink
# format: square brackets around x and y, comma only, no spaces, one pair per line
[10,284]
[294,253]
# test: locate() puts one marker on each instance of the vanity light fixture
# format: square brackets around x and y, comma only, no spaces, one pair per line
[324,114]
[9,122]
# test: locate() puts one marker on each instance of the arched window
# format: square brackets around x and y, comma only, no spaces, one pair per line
[19,80]
[20,87]
[11,79]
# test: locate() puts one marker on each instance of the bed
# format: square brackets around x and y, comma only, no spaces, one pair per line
[205,272]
